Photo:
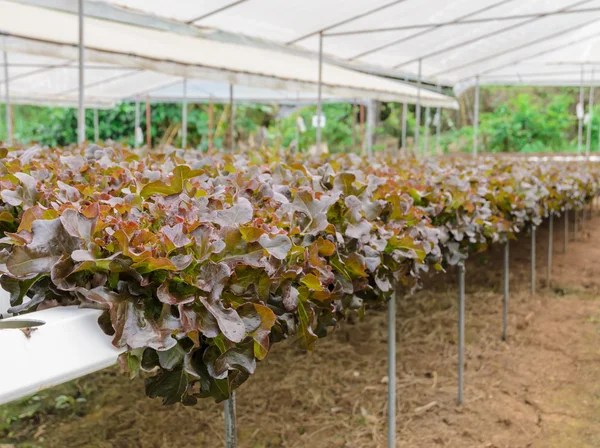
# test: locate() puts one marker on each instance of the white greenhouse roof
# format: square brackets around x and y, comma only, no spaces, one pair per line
[455,40]
[53,33]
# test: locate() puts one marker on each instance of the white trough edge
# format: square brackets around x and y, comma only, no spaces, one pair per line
[69,345]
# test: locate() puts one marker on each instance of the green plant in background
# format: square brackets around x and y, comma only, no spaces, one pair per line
[534,120]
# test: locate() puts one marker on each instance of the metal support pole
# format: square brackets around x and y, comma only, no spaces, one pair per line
[81,102]
[476,117]
[210,124]
[392,371]
[354,112]
[426,133]
[138,130]
[461,330]
[230,422]
[148,124]
[418,112]
[404,118]
[580,119]
[362,129]
[320,94]
[9,129]
[566,240]
[96,126]
[550,238]
[370,127]
[588,140]
[532,260]
[231,117]
[438,126]
[184,112]
[506,291]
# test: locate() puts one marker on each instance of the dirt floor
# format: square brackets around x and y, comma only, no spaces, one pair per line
[538,389]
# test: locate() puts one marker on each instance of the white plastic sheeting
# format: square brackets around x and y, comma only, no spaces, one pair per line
[456,40]
[34,30]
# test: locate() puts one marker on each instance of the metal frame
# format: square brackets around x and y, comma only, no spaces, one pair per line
[392,371]
[476,117]
[532,274]
[485,36]
[184,114]
[418,111]
[426,132]
[461,331]
[8,110]
[580,119]
[505,291]
[550,240]
[231,118]
[538,54]
[588,140]
[404,118]
[425,31]
[81,61]
[138,129]
[320,94]
[459,22]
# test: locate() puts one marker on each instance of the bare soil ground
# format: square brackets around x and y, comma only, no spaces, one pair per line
[539,389]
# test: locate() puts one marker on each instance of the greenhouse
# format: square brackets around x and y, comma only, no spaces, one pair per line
[300,224]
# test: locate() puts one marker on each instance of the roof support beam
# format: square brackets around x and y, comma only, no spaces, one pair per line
[518,47]
[457,23]
[488,35]
[536,55]
[345,21]
[216,11]
[426,31]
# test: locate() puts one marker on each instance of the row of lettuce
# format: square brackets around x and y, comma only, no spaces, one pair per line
[202,261]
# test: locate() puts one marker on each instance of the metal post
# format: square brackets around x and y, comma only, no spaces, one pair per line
[426,134]
[138,129]
[362,129]
[476,117]
[370,127]
[461,330]
[392,371]
[550,237]
[506,285]
[418,112]
[148,124]
[184,112]
[9,130]
[81,103]
[438,126]
[96,126]
[588,140]
[320,93]
[210,124]
[404,118]
[231,118]
[354,112]
[230,422]
[566,240]
[532,260]
[580,119]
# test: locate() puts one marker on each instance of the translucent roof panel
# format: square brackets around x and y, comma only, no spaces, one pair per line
[455,40]
[52,32]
